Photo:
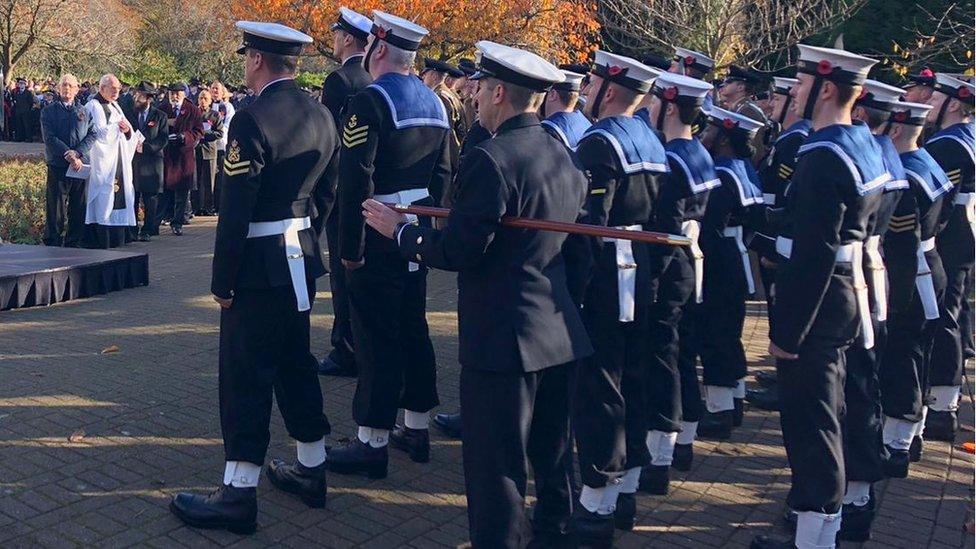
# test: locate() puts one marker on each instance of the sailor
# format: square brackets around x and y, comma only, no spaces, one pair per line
[435,74]
[917,281]
[395,146]
[676,273]
[624,161]
[560,115]
[737,93]
[515,399]
[920,86]
[279,166]
[728,273]
[821,298]
[952,147]
[349,34]
[695,65]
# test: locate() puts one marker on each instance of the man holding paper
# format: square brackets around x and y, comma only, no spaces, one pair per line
[111,197]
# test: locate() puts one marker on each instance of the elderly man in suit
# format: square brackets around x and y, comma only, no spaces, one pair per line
[186,130]
[147,164]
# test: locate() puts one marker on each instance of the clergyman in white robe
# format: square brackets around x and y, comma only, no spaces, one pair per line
[110,194]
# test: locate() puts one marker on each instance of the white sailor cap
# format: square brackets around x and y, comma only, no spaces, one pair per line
[955,88]
[353,23]
[783,85]
[838,66]
[961,76]
[878,95]
[572,81]
[908,113]
[733,121]
[272,38]
[519,67]
[679,88]
[397,31]
[690,59]
[627,72]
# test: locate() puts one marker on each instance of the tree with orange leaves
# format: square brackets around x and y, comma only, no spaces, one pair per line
[561,30]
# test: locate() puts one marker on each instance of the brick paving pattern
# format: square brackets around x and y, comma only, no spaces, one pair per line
[93,444]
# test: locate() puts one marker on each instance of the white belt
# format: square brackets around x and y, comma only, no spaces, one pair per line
[854,254]
[293,251]
[968,201]
[875,264]
[692,229]
[626,275]
[736,233]
[406,197]
[923,281]
[769,199]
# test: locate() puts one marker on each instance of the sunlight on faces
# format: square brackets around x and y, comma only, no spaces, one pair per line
[204,100]
[68,88]
[919,94]
[779,102]
[936,100]
[590,91]
[729,93]
[176,97]
[489,96]
[109,87]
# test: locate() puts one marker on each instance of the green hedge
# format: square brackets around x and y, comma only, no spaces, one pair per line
[22,183]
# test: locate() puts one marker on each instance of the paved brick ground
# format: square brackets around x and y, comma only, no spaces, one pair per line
[93,445]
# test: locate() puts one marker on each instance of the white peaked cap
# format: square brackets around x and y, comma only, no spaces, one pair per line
[733,120]
[624,70]
[837,65]
[686,86]
[397,31]
[352,20]
[519,67]
[883,92]
[691,57]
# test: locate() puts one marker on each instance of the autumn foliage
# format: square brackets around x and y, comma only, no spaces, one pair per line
[561,30]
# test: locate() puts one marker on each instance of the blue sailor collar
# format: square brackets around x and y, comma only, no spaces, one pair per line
[411,103]
[801,126]
[892,163]
[695,162]
[856,147]
[745,178]
[569,127]
[638,149]
[926,172]
[962,133]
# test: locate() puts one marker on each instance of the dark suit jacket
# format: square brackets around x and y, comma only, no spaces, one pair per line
[147,166]
[342,84]
[65,129]
[208,144]
[179,158]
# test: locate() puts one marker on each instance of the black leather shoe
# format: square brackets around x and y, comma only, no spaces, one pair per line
[177,230]
[897,464]
[308,483]
[738,411]
[416,442]
[449,424]
[226,508]
[764,399]
[717,425]
[358,457]
[941,425]
[655,480]
[329,367]
[915,450]
[766,542]
[592,529]
[766,378]
[684,454]
[625,515]
[856,522]
[143,237]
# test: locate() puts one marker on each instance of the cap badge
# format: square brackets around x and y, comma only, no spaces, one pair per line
[614,70]
[670,93]
[729,124]
[381,33]
[825,67]
[234,152]
[963,92]
[352,121]
[900,116]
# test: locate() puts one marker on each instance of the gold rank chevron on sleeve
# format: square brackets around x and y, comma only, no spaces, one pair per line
[903,223]
[954,175]
[353,135]
[236,168]
[785,171]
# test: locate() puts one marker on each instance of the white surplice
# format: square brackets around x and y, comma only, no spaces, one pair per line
[110,145]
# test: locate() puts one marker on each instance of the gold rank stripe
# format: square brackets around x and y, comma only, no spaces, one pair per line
[237,171]
[598,191]
[353,135]
[236,165]
[350,143]
[956,171]
[909,217]
[901,229]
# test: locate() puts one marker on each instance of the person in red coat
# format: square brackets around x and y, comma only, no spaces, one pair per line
[179,162]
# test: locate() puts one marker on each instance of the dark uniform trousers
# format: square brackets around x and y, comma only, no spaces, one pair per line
[864,450]
[722,315]
[955,244]
[905,366]
[811,395]
[663,383]
[65,202]
[509,419]
[689,349]
[150,215]
[397,369]
[264,358]
[341,337]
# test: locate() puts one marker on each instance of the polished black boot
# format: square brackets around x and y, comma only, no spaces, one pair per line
[856,522]
[717,425]
[655,480]
[941,425]
[915,450]
[684,454]
[358,457]
[738,411]
[226,508]
[764,399]
[416,442]
[625,515]
[449,424]
[766,378]
[308,483]
[896,466]
[592,529]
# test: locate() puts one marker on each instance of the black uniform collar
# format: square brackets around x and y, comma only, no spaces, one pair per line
[523,120]
[278,85]
[354,59]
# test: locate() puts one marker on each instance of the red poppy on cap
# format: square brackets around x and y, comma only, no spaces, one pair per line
[926,72]
[963,92]
[729,124]
[825,67]
[690,60]
[614,70]
[381,32]
[670,93]
[900,116]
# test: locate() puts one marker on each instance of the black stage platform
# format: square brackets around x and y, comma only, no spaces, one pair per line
[39,275]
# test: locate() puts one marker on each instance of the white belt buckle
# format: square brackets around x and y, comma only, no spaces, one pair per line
[294,257]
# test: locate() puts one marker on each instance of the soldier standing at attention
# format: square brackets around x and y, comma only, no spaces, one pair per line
[280,163]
